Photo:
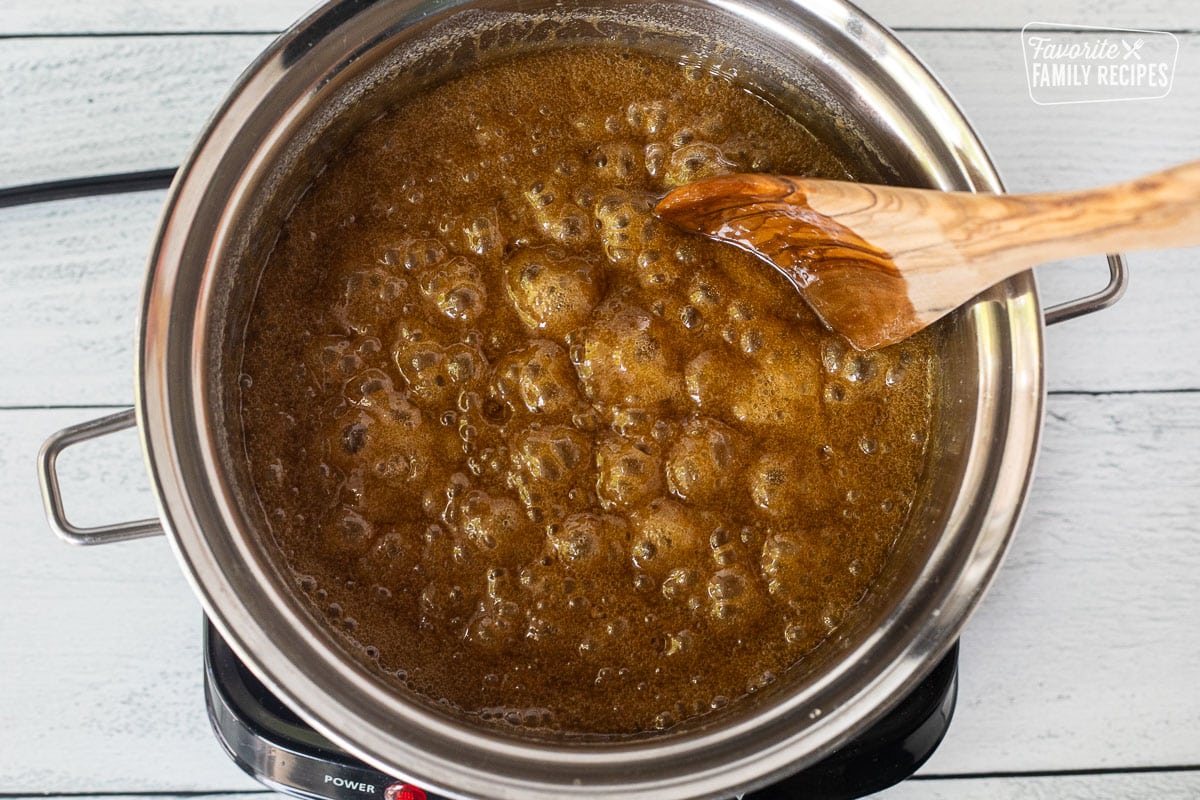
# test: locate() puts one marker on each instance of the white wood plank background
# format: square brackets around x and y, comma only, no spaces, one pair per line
[1082,658]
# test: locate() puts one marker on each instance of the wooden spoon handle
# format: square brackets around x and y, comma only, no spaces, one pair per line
[1159,210]
[1001,235]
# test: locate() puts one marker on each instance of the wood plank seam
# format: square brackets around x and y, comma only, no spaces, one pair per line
[1056,773]
[136,35]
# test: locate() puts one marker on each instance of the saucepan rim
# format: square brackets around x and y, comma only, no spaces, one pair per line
[267,630]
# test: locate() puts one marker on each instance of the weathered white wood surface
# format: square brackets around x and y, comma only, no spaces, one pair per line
[1139,786]
[70,281]
[1091,622]
[100,649]
[24,17]
[1012,14]
[1083,657]
[81,106]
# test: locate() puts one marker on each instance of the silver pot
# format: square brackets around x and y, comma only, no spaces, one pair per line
[303,97]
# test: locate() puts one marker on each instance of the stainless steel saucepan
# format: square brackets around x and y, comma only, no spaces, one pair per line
[824,60]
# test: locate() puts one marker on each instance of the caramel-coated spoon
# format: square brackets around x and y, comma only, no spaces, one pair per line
[879,263]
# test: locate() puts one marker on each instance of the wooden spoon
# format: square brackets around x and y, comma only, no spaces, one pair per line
[879,263]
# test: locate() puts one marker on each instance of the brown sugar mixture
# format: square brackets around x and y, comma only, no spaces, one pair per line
[535,455]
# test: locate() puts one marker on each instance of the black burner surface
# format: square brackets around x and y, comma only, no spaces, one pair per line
[267,740]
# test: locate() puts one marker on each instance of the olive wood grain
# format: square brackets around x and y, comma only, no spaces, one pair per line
[879,263]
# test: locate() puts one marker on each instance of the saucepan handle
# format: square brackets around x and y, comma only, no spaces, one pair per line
[52,493]
[1118,277]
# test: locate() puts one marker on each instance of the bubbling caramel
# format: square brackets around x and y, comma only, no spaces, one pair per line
[536,456]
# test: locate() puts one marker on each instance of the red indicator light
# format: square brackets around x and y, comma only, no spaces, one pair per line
[403,791]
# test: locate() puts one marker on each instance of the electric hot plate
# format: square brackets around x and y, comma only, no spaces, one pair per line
[273,745]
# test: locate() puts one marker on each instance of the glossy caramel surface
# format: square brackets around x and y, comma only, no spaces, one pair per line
[541,458]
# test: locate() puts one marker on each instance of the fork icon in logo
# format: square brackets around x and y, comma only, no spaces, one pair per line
[1132,49]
